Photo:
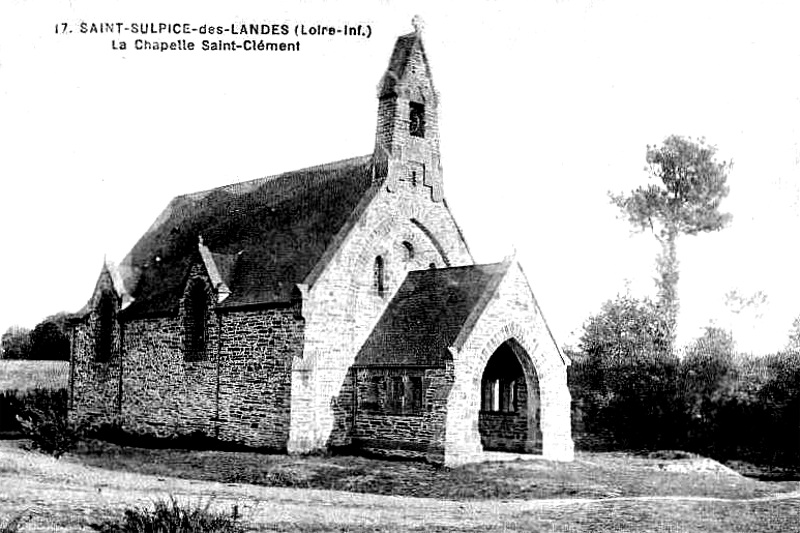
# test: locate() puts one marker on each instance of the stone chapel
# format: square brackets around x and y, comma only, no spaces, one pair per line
[333,306]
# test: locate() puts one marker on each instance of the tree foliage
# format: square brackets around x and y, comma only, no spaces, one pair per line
[49,341]
[16,343]
[714,401]
[625,331]
[793,344]
[623,382]
[777,424]
[684,199]
[707,386]
[713,352]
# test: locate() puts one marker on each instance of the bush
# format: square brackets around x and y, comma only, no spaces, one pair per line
[777,408]
[16,343]
[48,341]
[15,404]
[11,405]
[15,523]
[44,420]
[623,380]
[172,517]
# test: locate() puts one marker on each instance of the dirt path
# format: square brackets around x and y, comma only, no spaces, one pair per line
[64,496]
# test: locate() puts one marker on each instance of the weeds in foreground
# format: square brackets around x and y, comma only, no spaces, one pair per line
[41,415]
[171,516]
[15,523]
[16,403]
[51,431]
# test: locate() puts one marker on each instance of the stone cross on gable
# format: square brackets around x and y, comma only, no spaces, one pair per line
[418,24]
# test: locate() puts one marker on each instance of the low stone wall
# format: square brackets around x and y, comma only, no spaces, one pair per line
[503,431]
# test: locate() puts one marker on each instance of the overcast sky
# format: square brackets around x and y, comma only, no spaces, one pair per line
[545,108]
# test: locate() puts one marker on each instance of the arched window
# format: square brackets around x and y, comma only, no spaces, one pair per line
[195,311]
[105,328]
[379,275]
[409,250]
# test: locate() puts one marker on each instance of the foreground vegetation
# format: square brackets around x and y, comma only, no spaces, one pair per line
[598,492]
[172,516]
[27,386]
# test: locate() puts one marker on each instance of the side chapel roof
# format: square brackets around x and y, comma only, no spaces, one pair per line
[427,313]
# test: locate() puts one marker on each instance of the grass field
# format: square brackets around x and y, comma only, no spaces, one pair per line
[598,492]
[591,475]
[26,375]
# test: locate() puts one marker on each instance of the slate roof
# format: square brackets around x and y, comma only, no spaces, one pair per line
[426,315]
[265,235]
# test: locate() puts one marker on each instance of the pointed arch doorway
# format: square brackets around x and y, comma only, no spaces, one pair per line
[510,407]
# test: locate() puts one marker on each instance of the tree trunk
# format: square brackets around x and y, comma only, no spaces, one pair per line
[667,283]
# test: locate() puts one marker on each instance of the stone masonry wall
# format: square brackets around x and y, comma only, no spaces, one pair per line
[94,389]
[255,375]
[342,306]
[238,391]
[417,434]
[164,395]
[94,376]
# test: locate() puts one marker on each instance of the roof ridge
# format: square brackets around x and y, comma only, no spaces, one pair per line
[564,358]
[242,187]
[474,265]
[336,243]
[477,310]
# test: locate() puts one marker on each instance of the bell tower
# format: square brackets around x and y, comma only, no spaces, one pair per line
[407,136]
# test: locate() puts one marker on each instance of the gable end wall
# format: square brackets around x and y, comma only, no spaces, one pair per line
[511,313]
[342,307]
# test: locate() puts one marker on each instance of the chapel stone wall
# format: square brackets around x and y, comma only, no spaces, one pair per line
[343,305]
[237,391]
[94,392]
[94,384]
[416,432]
